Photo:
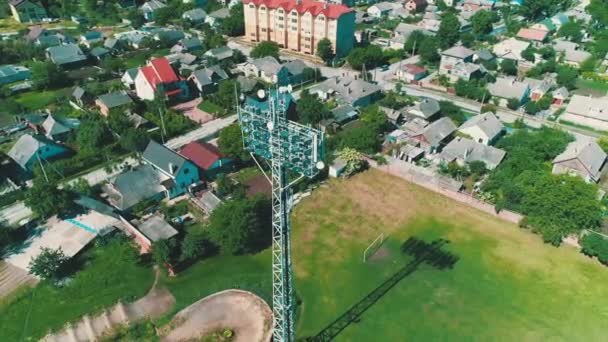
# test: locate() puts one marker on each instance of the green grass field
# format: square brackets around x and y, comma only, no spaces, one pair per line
[590,87]
[507,284]
[35,100]
[209,107]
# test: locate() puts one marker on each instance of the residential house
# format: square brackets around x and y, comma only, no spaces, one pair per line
[187,45]
[414,6]
[27,11]
[128,78]
[13,73]
[507,88]
[582,157]
[81,97]
[538,88]
[30,150]
[296,69]
[220,53]
[246,85]
[58,129]
[131,187]
[433,137]
[463,151]
[113,101]
[196,15]
[208,159]
[483,55]
[90,38]
[158,75]
[215,18]
[560,96]
[98,53]
[344,114]
[381,9]
[149,7]
[546,25]
[483,128]
[133,38]
[348,89]
[587,111]
[576,57]
[430,24]
[180,173]
[466,71]
[405,30]
[66,56]
[394,116]
[155,229]
[510,49]
[560,19]
[206,80]
[298,25]
[411,73]
[426,108]
[113,45]
[458,58]
[535,36]
[267,69]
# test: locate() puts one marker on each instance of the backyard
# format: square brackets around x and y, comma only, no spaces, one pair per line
[591,88]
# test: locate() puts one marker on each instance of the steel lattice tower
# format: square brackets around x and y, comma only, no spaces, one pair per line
[287,146]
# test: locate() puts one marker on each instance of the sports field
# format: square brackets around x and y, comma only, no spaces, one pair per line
[506,284]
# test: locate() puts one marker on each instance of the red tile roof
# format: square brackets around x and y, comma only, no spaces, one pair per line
[159,71]
[532,34]
[202,154]
[332,11]
[413,69]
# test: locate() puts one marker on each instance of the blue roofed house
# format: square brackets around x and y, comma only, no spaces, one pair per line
[27,11]
[196,15]
[66,56]
[29,150]
[90,38]
[13,73]
[180,174]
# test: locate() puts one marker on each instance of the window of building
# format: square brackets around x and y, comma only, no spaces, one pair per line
[294,28]
[294,13]
[307,39]
[251,6]
[321,18]
[279,18]
[306,46]
[294,20]
[263,29]
[280,11]
[281,26]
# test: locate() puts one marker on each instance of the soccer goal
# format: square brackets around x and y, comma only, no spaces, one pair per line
[373,247]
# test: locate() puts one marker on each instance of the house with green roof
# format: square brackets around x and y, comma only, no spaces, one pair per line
[113,101]
[27,11]
[66,56]
[13,73]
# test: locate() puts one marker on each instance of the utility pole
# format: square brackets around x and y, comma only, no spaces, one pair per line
[288,146]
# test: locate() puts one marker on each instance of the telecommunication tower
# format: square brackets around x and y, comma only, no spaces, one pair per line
[288,147]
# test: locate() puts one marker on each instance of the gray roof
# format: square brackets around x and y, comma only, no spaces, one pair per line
[295,67]
[348,88]
[155,229]
[111,43]
[438,130]
[468,151]
[205,76]
[196,14]
[458,52]
[220,53]
[406,30]
[561,92]
[115,99]
[246,84]
[220,13]
[576,56]
[163,158]
[269,65]
[152,5]
[508,88]
[587,152]
[427,107]
[592,107]
[93,204]
[78,92]
[99,51]
[210,201]
[26,147]
[484,54]
[344,113]
[190,43]
[385,6]
[488,123]
[64,54]
[134,186]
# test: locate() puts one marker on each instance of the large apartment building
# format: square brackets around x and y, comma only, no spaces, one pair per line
[298,25]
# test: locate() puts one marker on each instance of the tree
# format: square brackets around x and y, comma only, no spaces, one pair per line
[195,245]
[92,134]
[571,30]
[508,67]
[163,15]
[165,251]
[49,264]
[355,161]
[134,140]
[325,50]
[136,18]
[594,245]
[264,49]
[234,25]
[449,30]
[588,65]
[310,109]
[5,236]
[528,54]
[46,200]
[241,226]
[452,111]
[428,51]
[538,9]
[478,168]
[531,108]
[566,77]
[481,22]
[513,103]
[414,41]
[362,138]
[226,92]
[370,57]
[467,39]
[230,143]
[47,75]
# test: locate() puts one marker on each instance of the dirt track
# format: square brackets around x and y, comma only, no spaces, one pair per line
[247,315]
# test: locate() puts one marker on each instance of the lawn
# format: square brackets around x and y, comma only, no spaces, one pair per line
[110,273]
[506,284]
[35,100]
[591,87]
[209,107]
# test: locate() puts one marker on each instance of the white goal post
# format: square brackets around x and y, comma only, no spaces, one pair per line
[373,247]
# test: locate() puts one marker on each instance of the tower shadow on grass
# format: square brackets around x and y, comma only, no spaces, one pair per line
[422,252]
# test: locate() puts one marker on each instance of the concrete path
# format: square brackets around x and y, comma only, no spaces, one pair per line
[246,314]
[205,131]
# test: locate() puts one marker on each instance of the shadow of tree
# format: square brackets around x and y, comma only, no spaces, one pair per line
[422,252]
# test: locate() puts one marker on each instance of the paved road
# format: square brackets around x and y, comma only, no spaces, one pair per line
[15,213]
[207,130]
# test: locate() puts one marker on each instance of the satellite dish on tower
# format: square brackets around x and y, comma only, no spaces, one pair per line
[261,93]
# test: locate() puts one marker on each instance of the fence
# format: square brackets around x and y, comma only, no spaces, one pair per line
[441,185]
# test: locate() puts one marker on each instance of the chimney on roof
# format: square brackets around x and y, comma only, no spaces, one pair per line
[172,168]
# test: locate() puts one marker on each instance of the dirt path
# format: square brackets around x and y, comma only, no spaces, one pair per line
[157,302]
[246,314]
[12,278]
